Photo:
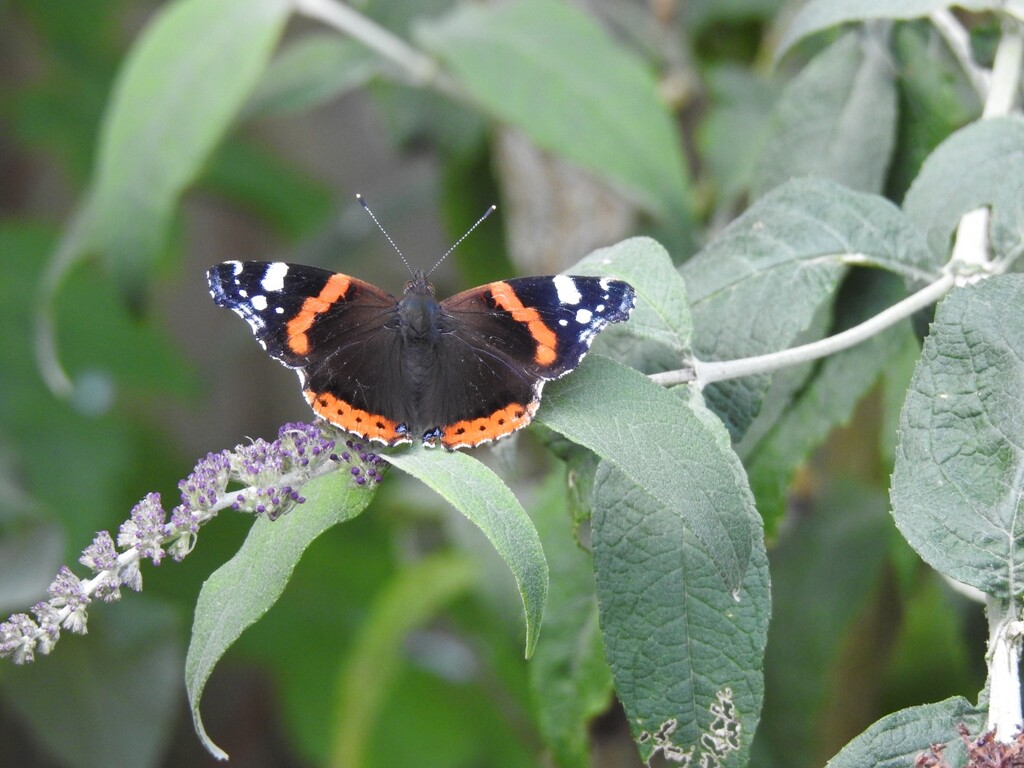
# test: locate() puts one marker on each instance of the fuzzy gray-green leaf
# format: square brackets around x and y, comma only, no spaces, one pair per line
[664,447]
[958,483]
[980,165]
[785,257]
[244,588]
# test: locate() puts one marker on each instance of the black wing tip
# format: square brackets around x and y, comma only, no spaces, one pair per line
[220,278]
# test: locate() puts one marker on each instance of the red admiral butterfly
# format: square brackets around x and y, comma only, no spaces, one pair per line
[463,371]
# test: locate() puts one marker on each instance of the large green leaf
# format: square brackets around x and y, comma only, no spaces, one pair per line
[487,502]
[817,15]
[666,450]
[836,119]
[959,476]
[686,654]
[557,76]
[248,585]
[179,91]
[895,740]
[736,126]
[758,286]
[980,165]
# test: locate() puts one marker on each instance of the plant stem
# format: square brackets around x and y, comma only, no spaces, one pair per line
[1004,646]
[959,43]
[708,372]
[421,69]
[1002,92]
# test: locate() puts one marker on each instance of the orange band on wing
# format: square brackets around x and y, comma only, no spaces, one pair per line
[505,421]
[335,288]
[547,342]
[363,423]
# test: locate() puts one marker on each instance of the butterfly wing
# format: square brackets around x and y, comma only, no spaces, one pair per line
[507,338]
[339,333]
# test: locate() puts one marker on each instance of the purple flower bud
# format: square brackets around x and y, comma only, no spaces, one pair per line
[144,530]
[66,592]
[49,626]
[18,639]
[100,555]
[201,489]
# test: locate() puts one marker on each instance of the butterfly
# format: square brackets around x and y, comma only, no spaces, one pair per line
[459,372]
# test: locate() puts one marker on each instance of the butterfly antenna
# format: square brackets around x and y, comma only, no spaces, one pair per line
[479,221]
[398,250]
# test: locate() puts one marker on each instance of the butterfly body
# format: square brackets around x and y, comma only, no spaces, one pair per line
[458,372]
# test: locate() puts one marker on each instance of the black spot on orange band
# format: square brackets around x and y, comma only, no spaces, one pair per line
[504,421]
[367,425]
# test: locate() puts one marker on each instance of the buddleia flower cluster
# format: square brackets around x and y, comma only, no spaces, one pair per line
[266,479]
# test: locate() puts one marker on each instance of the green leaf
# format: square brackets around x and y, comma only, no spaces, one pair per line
[817,15]
[248,585]
[124,671]
[836,119]
[665,447]
[759,284]
[547,69]
[662,313]
[732,135]
[957,484]
[686,655]
[895,740]
[980,165]
[486,501]
[178,93]
[369,674]
[312,71]
[569,678]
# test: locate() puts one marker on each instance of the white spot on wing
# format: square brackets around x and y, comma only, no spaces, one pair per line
[236,266]
[568,293]
[273,278]
[563,322]
[583,316]
[259,303]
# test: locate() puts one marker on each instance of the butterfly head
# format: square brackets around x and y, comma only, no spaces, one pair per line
[419,285]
